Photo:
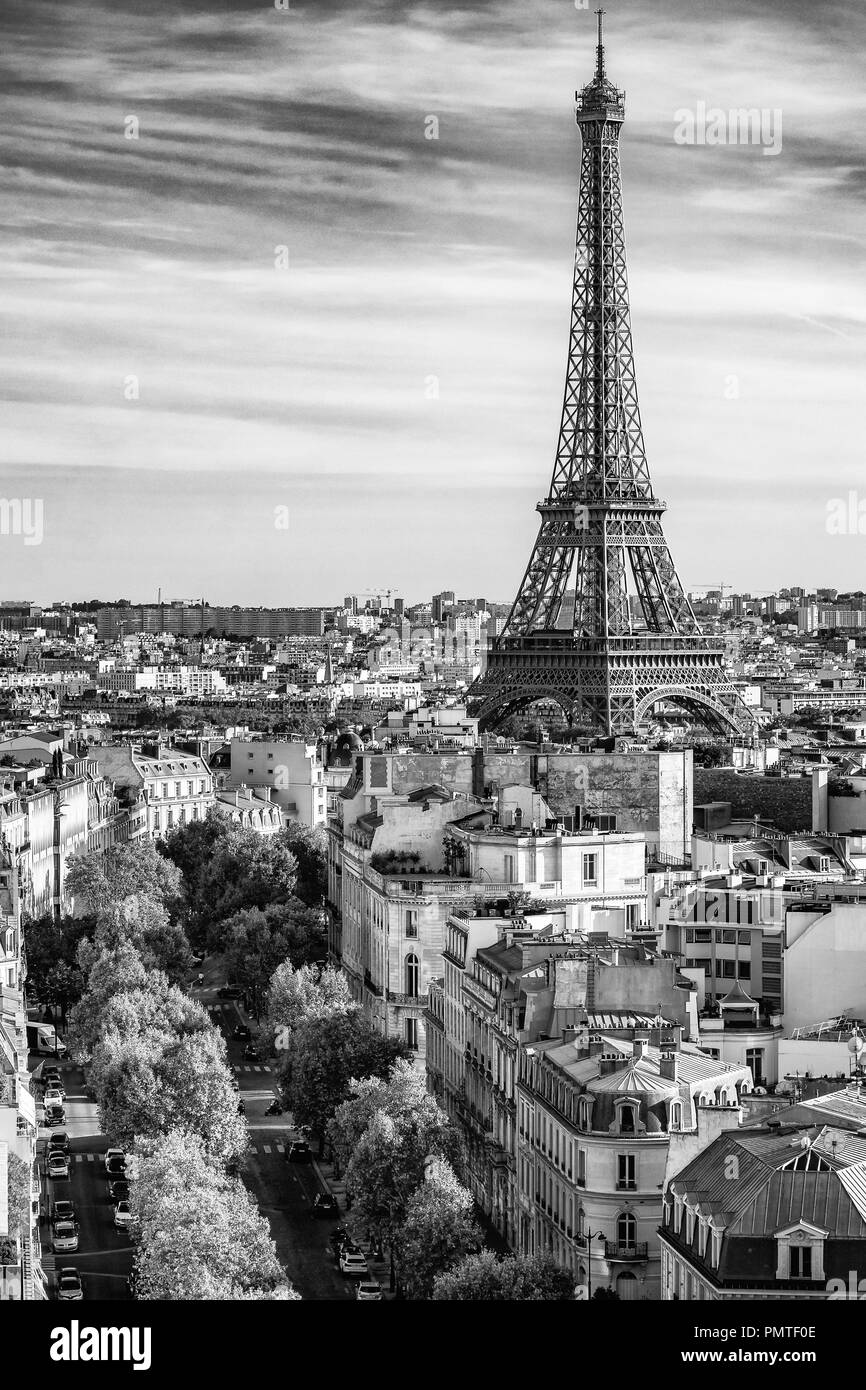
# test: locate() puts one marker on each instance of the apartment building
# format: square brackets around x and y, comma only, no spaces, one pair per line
[292,772]
[174,787]
[21,1273]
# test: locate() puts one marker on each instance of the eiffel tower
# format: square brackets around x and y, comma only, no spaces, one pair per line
[631,640]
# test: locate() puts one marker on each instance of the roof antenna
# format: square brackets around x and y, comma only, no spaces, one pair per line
[599,52]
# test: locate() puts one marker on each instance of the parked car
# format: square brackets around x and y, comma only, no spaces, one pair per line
[118,1190]
[58,1165]
[325,1206]
[54,1115]
[241,1032]
[368,1291]
[64,1236]
[69,1283]
[122,1216]
[58,1142]
[115,1162]
[299,1152]
[54,1095]
[64,1211]
[352,1264]
[51,1076]
[251,1052]
[230,992]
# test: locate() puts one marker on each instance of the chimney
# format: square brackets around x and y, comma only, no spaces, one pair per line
[610,1061]
[638,1047]
[669,1066]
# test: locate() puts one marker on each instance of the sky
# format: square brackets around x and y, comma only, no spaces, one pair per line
[266,341]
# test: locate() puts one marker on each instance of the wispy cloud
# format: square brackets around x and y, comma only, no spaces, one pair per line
[403,376]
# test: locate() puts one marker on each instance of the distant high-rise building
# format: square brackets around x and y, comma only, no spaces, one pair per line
[770,605]
[442,601]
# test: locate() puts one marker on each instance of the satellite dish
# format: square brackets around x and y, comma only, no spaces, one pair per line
[856,1043]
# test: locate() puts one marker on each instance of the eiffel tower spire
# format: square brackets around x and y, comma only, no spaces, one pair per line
[600,622]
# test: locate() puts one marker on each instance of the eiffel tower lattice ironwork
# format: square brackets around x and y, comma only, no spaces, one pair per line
[632,640]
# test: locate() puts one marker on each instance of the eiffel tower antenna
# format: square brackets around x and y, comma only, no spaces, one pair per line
[600,623]
[599,52]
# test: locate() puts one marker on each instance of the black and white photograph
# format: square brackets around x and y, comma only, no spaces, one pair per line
[417,884]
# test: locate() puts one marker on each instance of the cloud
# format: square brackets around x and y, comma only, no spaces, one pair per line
[411,259]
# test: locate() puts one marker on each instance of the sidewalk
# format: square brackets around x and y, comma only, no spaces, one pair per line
[380,1270]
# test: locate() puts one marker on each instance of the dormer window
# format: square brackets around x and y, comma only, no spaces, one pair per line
[800,1252]
[703,1232]
[626,1117]
[675,1115]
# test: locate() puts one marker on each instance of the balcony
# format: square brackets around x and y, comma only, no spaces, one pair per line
[409,1001]
[372,986]
[613,1250]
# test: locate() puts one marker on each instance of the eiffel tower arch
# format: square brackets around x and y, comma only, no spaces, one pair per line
[601,623]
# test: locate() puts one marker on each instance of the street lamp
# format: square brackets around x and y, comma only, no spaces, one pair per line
[590,1237]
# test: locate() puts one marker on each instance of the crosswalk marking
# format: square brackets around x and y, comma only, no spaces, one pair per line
[256,1068]
[266,1148]
[281,1148]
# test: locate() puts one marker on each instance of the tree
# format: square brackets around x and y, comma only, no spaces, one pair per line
[310,850]
[325,1053]
[111,973]
[388,1163]
[256,942]
[150,1082]
[297,995]
[199,1237]
[135,868]
[144,923]
[518,1278]
[438,1231]
[403,1096]
[245,870]
[49,944]
[63,985]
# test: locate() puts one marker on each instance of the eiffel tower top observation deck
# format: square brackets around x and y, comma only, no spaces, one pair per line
[601,622]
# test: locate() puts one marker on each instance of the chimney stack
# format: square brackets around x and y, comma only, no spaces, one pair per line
[669,1066]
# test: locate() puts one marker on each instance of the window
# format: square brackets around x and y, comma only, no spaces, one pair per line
[413,976]
[625,1171]
[411,922]
[590,868]
[744,969]
[412,1034]
[801,1262]
[690,936]
[626,1231]
[605,823]
[509,868]
[744,938]
[581,1167]
[729,937]
[755,1063]
[177,788]
[703,935]
[728,969]
[165,789]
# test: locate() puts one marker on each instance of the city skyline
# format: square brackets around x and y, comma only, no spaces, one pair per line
[411,259]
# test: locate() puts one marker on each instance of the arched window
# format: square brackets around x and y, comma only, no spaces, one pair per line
[676,1114]
[413,975]
[626,1230]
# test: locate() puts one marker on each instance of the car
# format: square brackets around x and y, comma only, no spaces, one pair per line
[58,1142]
[51,1077]
[299,1152]
[64,1211]
[54,1095]
[230,992]
[118,1190]
[54,1115]
[368,1291]
[325,1206]
[115,1162]
[353,1265]
[251,1052]
[58,1165]
[241,1032]
[64,1236]
[69,1283]
[122,1216]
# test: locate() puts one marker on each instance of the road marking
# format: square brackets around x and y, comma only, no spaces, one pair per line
[281,1149]
[255,1068]
[266,1148]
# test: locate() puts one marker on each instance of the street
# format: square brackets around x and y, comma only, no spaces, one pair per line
[284,1191]
[104,1255]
